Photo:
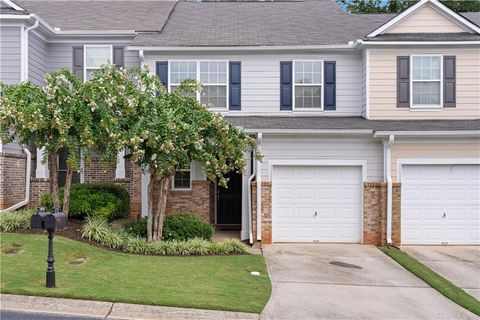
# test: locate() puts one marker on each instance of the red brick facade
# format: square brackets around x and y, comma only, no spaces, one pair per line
[375,213]
[12,178]
[197,201]
[266,211]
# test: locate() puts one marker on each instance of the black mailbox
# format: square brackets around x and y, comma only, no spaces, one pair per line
[49,221]
[54,220]
[37,219]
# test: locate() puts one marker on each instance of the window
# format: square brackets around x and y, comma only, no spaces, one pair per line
[95,56]
[182,179]
[308,84]
[426,81]
[212,75]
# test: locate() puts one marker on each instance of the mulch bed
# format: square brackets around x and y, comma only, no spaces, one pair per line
[73,230]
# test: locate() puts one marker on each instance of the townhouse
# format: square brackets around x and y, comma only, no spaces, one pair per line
[369,124]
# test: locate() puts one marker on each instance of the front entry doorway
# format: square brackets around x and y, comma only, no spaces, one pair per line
[229,203]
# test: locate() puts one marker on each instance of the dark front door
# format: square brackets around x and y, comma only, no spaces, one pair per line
[229,201]
[62,169]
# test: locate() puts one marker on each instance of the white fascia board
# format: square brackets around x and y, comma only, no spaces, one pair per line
[417,43]
[12,5]
[14,16]
[245,48]
[96,32]
[312,131]
[436,4]
[458,133]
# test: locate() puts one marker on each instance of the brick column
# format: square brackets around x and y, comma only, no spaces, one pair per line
[266,211]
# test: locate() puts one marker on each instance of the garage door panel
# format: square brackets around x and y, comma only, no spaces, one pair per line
[440,204]
[334,193]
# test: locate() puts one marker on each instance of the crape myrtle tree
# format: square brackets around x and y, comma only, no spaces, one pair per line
[56,115]
[164,132]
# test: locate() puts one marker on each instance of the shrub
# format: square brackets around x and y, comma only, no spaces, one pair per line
[184,227]
[46,201]
[106,200]
[15,219]
[137,228]
[98,229]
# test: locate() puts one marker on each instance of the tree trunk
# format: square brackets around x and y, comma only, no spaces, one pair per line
[156,213]
[54,174]
[67,189]
[151,188]
[161,207]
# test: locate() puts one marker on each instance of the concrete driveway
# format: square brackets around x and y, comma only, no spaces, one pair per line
[459,264]
[314,281]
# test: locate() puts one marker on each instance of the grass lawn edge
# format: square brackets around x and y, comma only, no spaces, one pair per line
[255,308]
[433,279]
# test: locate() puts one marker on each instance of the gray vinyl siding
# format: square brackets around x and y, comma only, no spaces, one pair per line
[10,54]
[261,79]
[322,147]
[60,56]
[37,58]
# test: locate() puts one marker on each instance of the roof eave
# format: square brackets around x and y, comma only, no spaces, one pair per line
[349,46]
[437,133]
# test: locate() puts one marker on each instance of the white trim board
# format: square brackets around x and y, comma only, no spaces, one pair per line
[432,161]
[455,17]
[12,5]
[316,162]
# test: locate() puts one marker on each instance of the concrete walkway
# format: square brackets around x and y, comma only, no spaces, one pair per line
[459,264]
[314,281]
[110,310]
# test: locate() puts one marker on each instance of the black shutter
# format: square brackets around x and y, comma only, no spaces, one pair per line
[118,56]
[77,66]
[449,83]
[162,72]
[403,82]
[235,80]
[329,74]
[285,85]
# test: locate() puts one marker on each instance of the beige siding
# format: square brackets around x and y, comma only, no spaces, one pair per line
[426,19]
[383,86]
[457,149]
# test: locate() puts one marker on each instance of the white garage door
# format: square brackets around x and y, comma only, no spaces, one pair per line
[440,204]
[316,204]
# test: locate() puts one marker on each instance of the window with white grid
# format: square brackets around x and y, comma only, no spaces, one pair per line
[308,84]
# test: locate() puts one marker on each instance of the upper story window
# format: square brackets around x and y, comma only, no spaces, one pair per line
[95,57]
[426,87]
[212,74]
[308,84]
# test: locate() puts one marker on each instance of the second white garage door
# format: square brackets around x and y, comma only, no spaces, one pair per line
[440,204]
[317,204]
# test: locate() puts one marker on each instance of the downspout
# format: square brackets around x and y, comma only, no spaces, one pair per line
[27,184]
[249,200]
[142,58]
[259,191]
[388,174]
[25,70]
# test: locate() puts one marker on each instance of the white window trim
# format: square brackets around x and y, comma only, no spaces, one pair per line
[426,106]
[308,84]
[85,47]
[191,179]
[197,73]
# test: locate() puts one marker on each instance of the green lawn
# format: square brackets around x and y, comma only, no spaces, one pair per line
[435,280]
[212,282]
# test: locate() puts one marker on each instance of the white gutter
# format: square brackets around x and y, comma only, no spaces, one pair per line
[312,131]
[428,133]
[259,191]
[418,43]
[25,51]
[24,202]
[249,200]
[388,173]
[351,45]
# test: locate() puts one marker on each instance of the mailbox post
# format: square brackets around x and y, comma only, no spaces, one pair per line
[50,222]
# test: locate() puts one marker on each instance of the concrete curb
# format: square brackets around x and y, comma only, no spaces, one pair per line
[113,310]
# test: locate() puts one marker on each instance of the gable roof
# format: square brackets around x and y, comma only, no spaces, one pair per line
[452,15]
[259,23]
[136,15]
